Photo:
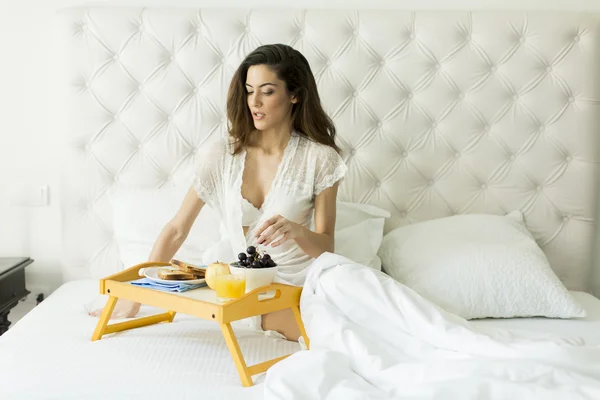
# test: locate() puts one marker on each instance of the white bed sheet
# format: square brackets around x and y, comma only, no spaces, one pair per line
[49,354]
[374,338]
[587,328]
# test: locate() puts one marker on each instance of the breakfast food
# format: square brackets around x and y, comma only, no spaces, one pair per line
[198,272]
[254,259]
[214,269]
[175,275]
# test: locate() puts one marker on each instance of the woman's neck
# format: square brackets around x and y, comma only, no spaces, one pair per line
[273,140]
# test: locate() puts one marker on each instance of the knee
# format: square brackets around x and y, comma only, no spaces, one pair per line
[282,322]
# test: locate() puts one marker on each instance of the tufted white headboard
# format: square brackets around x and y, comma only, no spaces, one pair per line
[438,113]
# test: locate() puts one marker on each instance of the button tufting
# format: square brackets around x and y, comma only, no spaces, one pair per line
[355,93]
[172,57]
[483,186]
[515,97]
[566,218]
[549,91]
[378,183]
[434,124]
[170,118]
[116,117]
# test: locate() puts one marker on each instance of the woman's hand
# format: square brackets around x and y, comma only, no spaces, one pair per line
[275,227]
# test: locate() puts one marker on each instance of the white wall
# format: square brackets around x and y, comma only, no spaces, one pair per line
[30,141]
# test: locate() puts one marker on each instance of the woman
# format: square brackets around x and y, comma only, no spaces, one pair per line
[279,166]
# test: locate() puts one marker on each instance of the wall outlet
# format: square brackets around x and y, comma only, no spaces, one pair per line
[29,195]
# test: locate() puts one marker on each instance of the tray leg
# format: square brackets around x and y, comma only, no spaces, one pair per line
[236,354]
[172,315]
[298,318]
[103,328]
[104,317]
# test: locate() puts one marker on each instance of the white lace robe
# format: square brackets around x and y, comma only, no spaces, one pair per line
[306,169]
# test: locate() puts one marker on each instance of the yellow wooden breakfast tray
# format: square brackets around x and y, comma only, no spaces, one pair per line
[201,303]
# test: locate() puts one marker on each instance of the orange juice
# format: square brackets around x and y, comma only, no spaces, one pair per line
[230,286]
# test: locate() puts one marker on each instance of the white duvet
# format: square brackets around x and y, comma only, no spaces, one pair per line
[374,338]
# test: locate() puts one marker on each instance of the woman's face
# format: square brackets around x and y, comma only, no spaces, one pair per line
[268,98]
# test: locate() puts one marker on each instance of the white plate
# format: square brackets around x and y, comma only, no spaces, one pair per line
[152,274]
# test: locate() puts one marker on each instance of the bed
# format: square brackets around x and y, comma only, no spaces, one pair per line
[438,114]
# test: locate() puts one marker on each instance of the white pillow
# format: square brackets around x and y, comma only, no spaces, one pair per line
[477,266]
[140,214]
[359,232]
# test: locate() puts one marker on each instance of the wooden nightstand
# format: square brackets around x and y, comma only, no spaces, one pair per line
[12,286]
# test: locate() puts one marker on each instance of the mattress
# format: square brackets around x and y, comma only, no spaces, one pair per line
[49,354]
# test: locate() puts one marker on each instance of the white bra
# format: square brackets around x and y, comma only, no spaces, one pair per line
[250,214]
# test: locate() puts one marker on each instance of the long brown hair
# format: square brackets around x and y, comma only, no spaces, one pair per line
[308,117]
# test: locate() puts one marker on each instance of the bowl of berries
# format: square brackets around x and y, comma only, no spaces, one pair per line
[258,267]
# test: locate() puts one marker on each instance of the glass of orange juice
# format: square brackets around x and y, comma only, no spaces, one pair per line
[230,286]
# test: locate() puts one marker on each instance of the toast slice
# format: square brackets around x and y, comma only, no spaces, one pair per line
[198,272]
[175,275]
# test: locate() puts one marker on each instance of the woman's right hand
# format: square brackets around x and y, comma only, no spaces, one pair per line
[123,309]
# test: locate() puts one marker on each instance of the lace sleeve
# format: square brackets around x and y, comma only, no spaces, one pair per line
[329,170]
[208,175]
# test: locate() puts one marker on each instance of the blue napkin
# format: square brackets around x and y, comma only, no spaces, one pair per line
[177,287]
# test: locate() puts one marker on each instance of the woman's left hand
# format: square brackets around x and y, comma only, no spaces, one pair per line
[275,227]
